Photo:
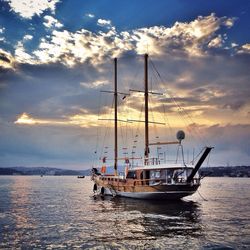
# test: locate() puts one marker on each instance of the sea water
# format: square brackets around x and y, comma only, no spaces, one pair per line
[58,212]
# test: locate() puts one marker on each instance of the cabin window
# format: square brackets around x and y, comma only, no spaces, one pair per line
[131,175]
[179,175]
[155,174]
[169,175]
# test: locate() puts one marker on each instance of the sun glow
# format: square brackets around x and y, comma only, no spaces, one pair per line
[126,114]
[26,119]
[86,120]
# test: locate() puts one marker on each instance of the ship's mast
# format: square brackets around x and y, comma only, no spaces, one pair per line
[115,97]
[146,107]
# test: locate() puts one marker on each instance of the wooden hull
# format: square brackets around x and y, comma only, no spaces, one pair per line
[172,195]
[131,190]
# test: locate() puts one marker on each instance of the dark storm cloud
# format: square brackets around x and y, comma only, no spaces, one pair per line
[54,90]
[4,58]
[43,89]
[215,81]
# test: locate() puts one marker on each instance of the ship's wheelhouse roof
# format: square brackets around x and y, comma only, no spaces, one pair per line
[163,166]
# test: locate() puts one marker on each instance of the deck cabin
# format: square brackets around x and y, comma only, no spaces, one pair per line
[152,175]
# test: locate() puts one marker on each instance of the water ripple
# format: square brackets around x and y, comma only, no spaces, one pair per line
[61,213]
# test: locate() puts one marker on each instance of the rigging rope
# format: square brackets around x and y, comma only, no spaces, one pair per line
[181,110]
[107,129]
[192,162]
[153,119]
[202,196]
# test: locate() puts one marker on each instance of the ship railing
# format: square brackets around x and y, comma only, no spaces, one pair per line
[160,181]
[158,161]
[148,182]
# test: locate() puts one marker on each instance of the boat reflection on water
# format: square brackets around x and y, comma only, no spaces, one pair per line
[153,219]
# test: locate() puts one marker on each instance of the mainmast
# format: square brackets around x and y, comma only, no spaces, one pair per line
[115,97]
[146,107]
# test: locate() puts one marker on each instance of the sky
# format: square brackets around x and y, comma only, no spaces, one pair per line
[56,56]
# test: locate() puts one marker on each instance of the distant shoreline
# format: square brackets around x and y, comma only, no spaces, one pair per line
[42,171]
[10,175]
[237,171]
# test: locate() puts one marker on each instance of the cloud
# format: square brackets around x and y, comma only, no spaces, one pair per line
[53,91]
[20,53]
[103,22]
[42,146]
[230,138]
[244,49]
[231,143]
[51,22]
[216,42]
[21,56]
[229,22]
[6,59]
[29,8]
[234,45]
[2,30]
[27,37]
[94,84]
[82,120]
[202,93]
[193,39]
[73,48]
[90,15]
[182,38]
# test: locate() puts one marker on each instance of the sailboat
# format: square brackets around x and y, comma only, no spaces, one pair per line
[151,179]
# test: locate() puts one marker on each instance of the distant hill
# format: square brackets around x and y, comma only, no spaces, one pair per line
[41,171]
[237,171]
[9,171]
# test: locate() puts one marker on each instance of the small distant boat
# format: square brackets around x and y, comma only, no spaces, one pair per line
[153,179]
[81,176]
